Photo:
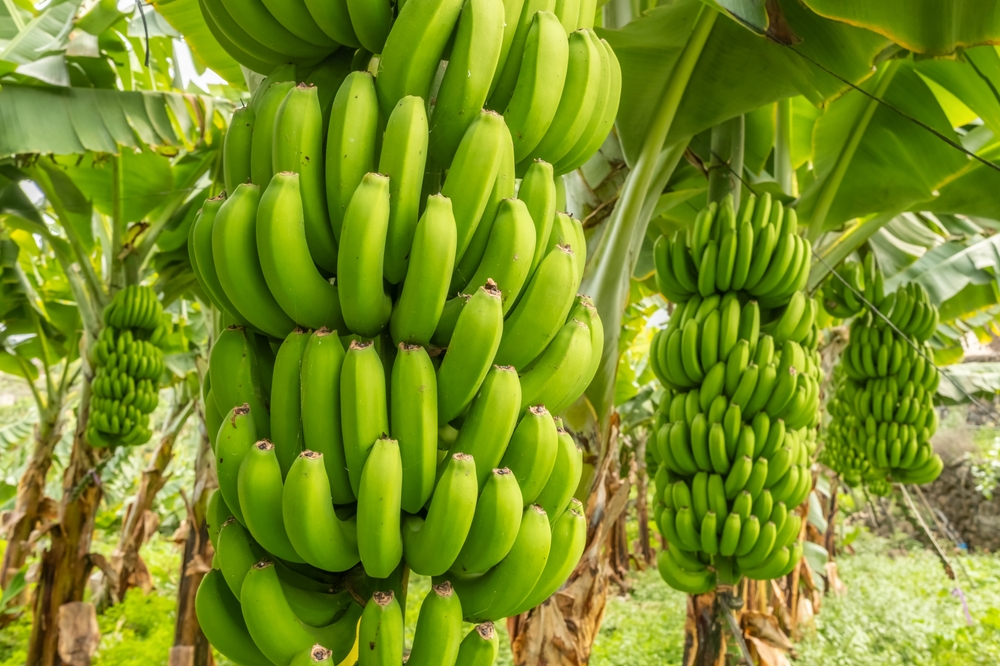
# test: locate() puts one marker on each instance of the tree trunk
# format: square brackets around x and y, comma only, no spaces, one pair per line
[30,506]
[127,569]
[644,549]
[704,638]
[191,648]
[66,564]
[562,629]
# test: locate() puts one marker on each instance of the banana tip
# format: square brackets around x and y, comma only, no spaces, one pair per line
[383,598]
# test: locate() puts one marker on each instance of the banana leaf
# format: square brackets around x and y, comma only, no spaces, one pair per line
[43,35]
[978,379]
[937,27]
[945,270]
[185,16]
[736,72]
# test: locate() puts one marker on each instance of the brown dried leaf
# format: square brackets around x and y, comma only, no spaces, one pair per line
[79,634]
[768,655]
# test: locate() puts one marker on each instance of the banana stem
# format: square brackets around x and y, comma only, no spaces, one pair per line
[726,163]
[609,271]
[117,277]
[844,244]
[831,185]
[784,170]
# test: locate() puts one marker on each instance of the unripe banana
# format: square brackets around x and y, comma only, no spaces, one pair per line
[425,287]
[565,477]
[470,353]
[379,539]
[276,630]
[502,589]
[236,437]
[296,284]
[237,376]
[286,401]
[414,423]
[538,192]
[403,159]
[438,634]
[380,632]
[679,579]
[542,310]
[473,172]
[466,83]
[479,647]
[238,552]
[555,377]
[432,544]
[494,525]
[235,41]
[531,453]
[490,421]
[507,259]
[518,20]
[414,48]
[366,307]
[316,655]
[333,18]
[352,136]
[262,145]
[313,527]
[569,538]
[371,20]
[260,490]
[237,148]
[216,513]
[221,618]
[364,414]
[260,24]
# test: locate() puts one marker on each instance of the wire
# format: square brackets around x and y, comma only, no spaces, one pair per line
[910,342]
[145,28]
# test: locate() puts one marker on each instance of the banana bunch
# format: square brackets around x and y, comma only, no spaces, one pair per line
[127,366]
[737,424]
[883,408]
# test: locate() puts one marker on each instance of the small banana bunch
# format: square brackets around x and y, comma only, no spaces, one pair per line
[883,408]
[128,364]
[737,424]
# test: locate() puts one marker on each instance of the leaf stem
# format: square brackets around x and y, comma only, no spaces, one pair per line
[117,277]
[784,170]
[726,163]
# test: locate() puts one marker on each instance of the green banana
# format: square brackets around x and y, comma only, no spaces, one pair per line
[221,618]
[333,18]
[554,379]
[260,24]
[569,538]
[538,192]
[686,581]
[471,352]
[262,143]
[236,438]
[565,476]
[414,423]
[425,287]
[517,26]
[238,552]
[471,65]
[479,647]
[380,632]
[432,544]
[216,513]
[234,248]
[438,634]
[364,413]
[414,48]
[295,283]
[494,525]
[473,172]
[286,402]
[490,421]
[531,452]
[317,654]
[371,20]
[351,140]
[235,41]
[260,490]
[202,262]
[542,311]
[379,541]
[507,259]
[236,148]
[502,589]
[365,304]
[313,527]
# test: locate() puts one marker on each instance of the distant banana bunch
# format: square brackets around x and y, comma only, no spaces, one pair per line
[737,424]
[883,409]
[404,328]
[127,366]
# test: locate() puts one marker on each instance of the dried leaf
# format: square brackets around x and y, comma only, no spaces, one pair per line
[768,655]
[79,634]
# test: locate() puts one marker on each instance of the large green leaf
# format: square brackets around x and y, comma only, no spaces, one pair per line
[736,72]
[146,178]
[77,120]
[185,16]
[43,35]
[926,26]
[949,267]
[978,379]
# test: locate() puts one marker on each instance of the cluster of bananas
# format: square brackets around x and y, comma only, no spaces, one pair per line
[738,420]
[883,408]
[128,364]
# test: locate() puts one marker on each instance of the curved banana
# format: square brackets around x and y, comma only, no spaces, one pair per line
[364,415]
[285,260]
[236,148]
[519,18]
[295,17]
[554,378]
[216,513]
[479,647]
[542,310]
[380,632]
[366,307]
[262,144]
[236,437]
[431,544]
[221,618]
[494,525]
[507,260]
[333,18]
[260,490]
[531,452]
[320,385]
[313,527]
[540,84]
[234,248]
[538,192]
[286,399]
[414,423]
[257,21]
[466,83]
[371,20]
[416,314]
[585,311]
[403,160]
[249,53]
[438,634]
[470,353]
[200,250]
[502,589]
[569,538]
[379,539]
[237,377]
[351,140]
[490,421]
[565,477]
[238,552]
[298,147]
